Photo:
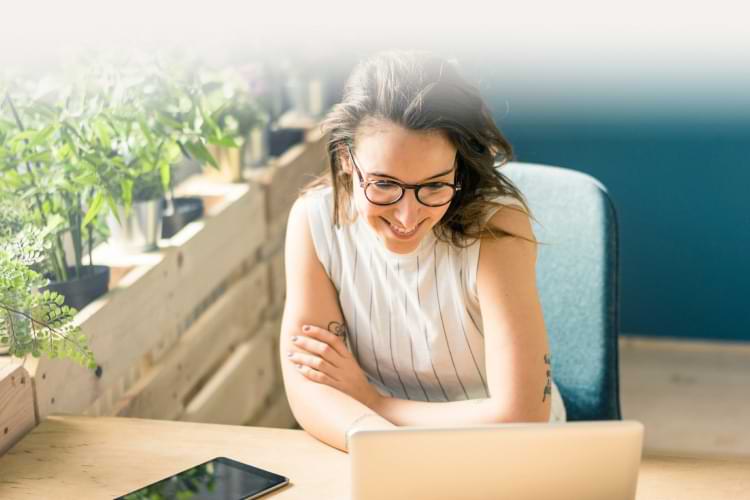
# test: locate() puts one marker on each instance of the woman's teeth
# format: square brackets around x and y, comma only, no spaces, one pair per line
[403,232]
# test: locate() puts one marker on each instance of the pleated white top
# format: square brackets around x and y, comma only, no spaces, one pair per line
[414,321]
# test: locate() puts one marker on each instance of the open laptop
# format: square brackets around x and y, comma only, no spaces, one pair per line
[568,461]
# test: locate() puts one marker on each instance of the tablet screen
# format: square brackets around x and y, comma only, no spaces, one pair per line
[217,479]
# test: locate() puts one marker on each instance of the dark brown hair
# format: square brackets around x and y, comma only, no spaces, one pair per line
[423,92]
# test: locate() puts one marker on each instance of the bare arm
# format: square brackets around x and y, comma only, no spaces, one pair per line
[321,410]
[516,348]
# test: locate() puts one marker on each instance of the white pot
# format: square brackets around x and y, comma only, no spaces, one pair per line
[140,230]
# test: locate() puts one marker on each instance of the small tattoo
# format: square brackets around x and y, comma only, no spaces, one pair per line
[338,329]
[548,385]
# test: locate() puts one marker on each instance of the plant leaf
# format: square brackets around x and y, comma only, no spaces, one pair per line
[94,209]
[200,152]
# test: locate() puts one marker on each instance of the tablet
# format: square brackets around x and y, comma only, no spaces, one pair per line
[218,479]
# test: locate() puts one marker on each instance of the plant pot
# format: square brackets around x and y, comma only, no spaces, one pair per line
[140,230]
[230,164]
[284,138]
[186,210]
[256,149]
[81,291]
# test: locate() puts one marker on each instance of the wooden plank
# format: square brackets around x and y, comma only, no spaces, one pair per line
[226,239]
[300,165]
[277,412]
[121,327]
[284,179]
[162,391]
[692,396]
[277,279]
[238,389]
[16,405]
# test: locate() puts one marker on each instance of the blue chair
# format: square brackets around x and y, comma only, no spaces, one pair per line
[577,278]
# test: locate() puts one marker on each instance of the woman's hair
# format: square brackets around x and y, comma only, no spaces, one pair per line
[422,92]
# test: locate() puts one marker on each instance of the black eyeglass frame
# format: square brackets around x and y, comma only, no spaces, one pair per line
[416,187]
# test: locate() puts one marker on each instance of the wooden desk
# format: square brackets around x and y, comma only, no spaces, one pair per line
[100,458]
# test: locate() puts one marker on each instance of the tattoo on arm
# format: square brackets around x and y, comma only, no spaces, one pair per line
[338,329]
[548,385]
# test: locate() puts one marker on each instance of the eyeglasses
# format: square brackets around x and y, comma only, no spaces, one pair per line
[386,192]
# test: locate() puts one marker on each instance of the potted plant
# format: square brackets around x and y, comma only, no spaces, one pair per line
[235,104]
[32,321]
[45,166]
[156,114]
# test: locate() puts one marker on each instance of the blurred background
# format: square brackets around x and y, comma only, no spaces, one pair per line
[652,99]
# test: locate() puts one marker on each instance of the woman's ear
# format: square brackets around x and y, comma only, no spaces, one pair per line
[344,159]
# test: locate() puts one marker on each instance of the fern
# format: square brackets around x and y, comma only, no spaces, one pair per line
[34,322]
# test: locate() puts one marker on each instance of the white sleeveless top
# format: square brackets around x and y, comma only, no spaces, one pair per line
[414,321]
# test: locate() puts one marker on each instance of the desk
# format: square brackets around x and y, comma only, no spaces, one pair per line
[100,458]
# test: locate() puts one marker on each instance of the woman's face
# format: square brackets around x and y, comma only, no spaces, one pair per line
[384,150]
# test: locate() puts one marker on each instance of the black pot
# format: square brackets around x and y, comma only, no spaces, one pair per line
[284,138]
[81,291]
[186,210]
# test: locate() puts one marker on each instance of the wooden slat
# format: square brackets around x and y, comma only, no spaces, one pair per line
[277,288]
[162,390]
[16,405]
[121,327]
[284,179]
[223,243]
[238,389]
[277,412]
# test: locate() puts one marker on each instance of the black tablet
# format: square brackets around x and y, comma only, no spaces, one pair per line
[218,479]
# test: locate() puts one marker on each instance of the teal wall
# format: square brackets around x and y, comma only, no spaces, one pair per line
[682,192]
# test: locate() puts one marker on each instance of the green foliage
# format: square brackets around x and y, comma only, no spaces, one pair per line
[106,134]
[33,322]
[79,145]
[234,103]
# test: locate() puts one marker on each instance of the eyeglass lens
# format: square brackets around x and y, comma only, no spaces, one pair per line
[389,192]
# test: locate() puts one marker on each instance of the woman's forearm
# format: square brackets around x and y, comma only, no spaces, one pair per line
[404,412]
[328,414]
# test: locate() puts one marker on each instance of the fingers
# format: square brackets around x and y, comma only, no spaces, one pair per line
[321,349]
[312,361]
[316,375]
[322,335]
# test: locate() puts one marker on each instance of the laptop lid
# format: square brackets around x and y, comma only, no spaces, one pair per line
[568,461]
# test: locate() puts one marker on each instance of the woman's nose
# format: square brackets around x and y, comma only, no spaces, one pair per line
[407,210]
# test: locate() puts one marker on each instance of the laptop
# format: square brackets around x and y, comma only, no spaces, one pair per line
[566,461]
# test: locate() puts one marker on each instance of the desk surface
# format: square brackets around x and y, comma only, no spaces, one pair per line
[100,458]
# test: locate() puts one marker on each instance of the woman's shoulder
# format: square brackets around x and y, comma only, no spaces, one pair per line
[318,194]
[318,201]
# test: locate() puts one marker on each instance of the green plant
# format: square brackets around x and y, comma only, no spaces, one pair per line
[47,164]
[32,322]
[156,112]
[237,100]
[99,138]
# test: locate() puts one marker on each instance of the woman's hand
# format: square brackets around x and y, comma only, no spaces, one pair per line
[324,358]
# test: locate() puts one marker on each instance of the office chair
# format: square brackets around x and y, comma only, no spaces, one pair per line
[577,278]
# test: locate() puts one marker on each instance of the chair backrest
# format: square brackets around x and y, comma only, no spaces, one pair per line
[577,278]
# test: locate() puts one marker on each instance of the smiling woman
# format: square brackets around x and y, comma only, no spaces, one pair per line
[411,295]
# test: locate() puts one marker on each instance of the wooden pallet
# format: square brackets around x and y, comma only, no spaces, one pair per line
[189,331]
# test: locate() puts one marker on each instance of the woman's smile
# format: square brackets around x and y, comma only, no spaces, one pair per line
[401,232]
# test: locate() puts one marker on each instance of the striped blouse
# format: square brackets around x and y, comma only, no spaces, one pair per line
[414,321]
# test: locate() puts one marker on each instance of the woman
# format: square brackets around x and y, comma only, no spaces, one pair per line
[411,294]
